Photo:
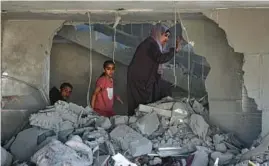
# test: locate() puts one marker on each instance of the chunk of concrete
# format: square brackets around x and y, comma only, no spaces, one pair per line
[149,109]
[179,113]
[132,119]
[199,125]
[26,143]
[148,123]
[197,107]
[258,150]
[119,120]
[165,106]
[55,153]
[128,139]
[217,139]
[224,158]
[221,147]
[6,158]
[103,122]
[200,158]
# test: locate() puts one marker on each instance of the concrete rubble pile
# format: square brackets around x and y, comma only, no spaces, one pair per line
[168,132]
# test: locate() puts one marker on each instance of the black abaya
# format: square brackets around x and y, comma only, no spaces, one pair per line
[142,72]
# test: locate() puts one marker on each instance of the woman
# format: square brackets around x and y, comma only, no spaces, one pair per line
[143,69]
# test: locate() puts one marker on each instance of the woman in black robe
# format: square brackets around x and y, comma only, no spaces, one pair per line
[143,70]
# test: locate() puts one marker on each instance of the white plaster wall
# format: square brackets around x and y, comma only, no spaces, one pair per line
[225,80]
[247,31]
[26,46]
[25,50]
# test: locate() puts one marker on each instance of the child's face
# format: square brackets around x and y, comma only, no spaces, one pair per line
[109,70]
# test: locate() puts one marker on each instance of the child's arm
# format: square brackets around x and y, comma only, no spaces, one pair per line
[118,98]
[96,91]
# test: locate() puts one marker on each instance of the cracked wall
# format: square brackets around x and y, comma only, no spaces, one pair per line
[247,32]
[25,50]
[225,80]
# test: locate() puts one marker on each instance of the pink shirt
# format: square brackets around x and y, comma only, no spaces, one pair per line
[105,98]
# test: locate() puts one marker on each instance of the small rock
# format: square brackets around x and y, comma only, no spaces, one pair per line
[132,119]
[119,120]
[244,150]
[221,147]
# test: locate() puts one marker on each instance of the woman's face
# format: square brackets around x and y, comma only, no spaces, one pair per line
[164,38]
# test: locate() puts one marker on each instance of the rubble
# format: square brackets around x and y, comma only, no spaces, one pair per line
[27,141]
[6,158]
[148,123]
[199,126]
[168,132]
[128,139]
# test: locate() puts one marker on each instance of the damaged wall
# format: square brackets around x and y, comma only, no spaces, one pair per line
[70,63]
[247,32]
[224,82]
[26,46]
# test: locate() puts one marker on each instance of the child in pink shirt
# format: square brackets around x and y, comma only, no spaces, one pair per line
[103,97]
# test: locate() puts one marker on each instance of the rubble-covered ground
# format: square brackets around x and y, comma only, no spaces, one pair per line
[169,132]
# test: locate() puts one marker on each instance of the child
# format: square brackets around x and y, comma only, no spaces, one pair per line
[103,97]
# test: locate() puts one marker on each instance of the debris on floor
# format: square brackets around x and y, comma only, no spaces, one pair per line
[169,132]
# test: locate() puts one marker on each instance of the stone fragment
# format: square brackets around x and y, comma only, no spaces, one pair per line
[103,122]
[127,138]
[119,120]
[165,106]
[26,143]
[6,158]
[149,109]
[148,123]
[199,126]
[55,153]
[200,158]
[224,158]
[179,113]
[132,119]
[197,107]
[221,147]
[217,139]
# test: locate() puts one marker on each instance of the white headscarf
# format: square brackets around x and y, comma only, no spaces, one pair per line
[156,32]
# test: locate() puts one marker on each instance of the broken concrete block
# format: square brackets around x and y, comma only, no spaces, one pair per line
[149,109]
[148,123]
[198,125]
[119,120]
[197,107]
[76,109]
[103,122]
[26,143]
[77,144]
[49,120]
[127,138]
[55,153]
[179,113]
[217,139]
[200,159]
[224,158]
[132,119]
[221,147]
[165,106]
[6,158]
[102,160]
[258,150]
